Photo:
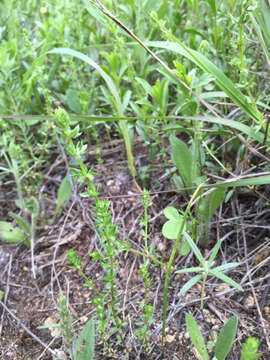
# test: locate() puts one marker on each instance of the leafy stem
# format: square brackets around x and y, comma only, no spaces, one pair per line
[170,262]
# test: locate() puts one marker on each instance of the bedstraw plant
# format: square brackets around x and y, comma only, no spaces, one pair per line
[106,301]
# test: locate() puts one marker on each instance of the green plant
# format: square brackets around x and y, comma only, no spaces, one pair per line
[78,348]
[147,310]
[206,269]
[261,18]
[85,344]
[116,102]
[28,206]
[177,245]
[224,341]
[65,324]
[105,302]
[250,348]
[186,163]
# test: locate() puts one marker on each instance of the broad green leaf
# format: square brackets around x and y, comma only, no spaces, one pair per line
[171,213]
[190,283]
[226,279]
[212,4]
[182,158]
[196,336]
[11,234]
[206,209]
[210,203]
[63,194]
[21,222]
[171,228]
[73,101]
[85,344]
[225,338]
[185,248]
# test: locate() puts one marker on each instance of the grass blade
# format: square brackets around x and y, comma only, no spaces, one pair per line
[220,78]
[114,92]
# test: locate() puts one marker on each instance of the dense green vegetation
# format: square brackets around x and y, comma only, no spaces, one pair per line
[190,79]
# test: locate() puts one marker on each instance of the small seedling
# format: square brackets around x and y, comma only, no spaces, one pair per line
[206,269]
[250,348]
[224,340]
[81,348]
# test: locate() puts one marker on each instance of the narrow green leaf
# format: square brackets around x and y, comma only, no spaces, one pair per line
[188,270]
[226,279]
[190,283]
[194,248]
[206,209]
[196,336]
[225,338]
[256,180]
[85,344]
[113,89]
[266,15]
[21,222]
[214,252]
[63,194]
[89,61]
[147,88]
[226,266]
[96,13]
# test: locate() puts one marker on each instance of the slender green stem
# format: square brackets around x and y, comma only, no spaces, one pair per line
[203,289]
